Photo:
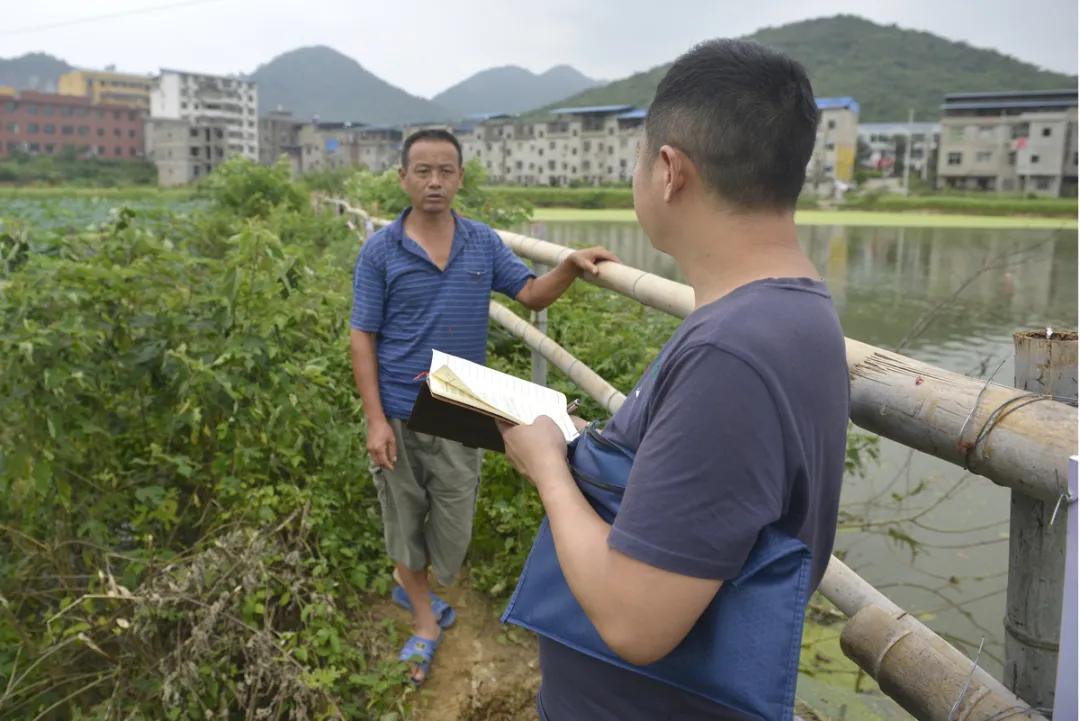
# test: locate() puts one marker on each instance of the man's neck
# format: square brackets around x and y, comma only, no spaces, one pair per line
[719,251]
[429,226]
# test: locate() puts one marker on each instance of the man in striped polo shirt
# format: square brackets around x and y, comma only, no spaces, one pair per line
[424,282]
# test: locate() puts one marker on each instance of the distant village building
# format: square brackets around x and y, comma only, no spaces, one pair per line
[885,145]
[325,146]
[1010,142]
[108,87]
[211,100]
[832,164]
[279,135]
[50,123]
[589,145]
[185,151]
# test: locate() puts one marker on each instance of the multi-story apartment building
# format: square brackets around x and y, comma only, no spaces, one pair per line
[211,100]
[279,134]
[333,145]
[886,145]
[108,87]
[184,151]
[832,164]
[48,124]
[586,145]
[1013,142]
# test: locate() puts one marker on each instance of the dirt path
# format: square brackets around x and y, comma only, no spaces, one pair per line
[483,671]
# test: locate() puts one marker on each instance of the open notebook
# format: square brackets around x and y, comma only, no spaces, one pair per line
[460,400]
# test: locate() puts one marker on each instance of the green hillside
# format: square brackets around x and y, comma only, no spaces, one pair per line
[885,68]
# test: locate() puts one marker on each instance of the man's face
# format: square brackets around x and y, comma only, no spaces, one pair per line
[433,175]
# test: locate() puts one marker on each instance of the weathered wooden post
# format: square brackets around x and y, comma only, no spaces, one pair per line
[1045,364]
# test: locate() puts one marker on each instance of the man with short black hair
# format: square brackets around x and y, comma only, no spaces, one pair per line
[421,283]
[737,430]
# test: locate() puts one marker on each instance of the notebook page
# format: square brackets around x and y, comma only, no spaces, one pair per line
[445,384]
[516,398]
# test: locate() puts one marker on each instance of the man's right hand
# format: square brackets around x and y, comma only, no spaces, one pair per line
[381,444]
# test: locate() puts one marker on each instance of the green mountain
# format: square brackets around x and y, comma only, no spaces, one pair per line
[511,89]
[321,81]
[887,69]
[33,71]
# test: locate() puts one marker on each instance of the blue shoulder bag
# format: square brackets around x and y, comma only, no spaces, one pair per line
[743,653]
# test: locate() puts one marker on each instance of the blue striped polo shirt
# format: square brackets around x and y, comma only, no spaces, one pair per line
[413,307]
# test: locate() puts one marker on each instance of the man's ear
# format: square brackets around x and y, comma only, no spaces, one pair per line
[676,171]
[401,175]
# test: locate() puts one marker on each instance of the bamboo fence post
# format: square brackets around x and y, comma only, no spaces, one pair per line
[1045,363]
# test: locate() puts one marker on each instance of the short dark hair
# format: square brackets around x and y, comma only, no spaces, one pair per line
[746,117]
[430,134]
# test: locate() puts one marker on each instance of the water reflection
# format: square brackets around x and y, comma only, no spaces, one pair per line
[930,536]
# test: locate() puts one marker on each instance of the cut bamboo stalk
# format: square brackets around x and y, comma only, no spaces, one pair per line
[930,685]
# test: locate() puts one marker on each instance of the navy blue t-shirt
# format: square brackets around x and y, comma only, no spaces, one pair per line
[741,423]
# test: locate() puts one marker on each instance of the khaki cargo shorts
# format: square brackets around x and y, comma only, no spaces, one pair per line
[428,501]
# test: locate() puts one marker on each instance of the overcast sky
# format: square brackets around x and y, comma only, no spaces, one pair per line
[424,46]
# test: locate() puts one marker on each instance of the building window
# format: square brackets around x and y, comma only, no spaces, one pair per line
[131,133]
[984,156]
[1034,159]
[831,125]
[1042,183]
[81,112]
[31,109]
[101,132]
[986,133]
[830,146]
[101,150]
[118,115]
[67,130]
[131,115]
[10,106]
[116,132]
[49,147]
[131,152]
[1047,132]
[118,151]
[13,127]
[955,158]
[34,147]
[1012,158]
[50,129]
[83,130]
[31,127]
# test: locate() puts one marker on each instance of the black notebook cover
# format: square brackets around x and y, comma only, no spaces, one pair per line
[449,420]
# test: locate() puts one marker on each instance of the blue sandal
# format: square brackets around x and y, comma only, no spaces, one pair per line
[419,651]
[444,612]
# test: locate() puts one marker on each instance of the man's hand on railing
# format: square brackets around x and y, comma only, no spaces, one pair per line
[585,261]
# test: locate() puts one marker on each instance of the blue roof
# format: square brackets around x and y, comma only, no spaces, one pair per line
[588,109]
[635,114]
[838,103]
[1007,104]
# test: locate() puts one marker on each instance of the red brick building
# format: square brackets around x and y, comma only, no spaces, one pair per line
[47,124]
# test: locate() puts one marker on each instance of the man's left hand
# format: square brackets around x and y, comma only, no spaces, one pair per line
[535,449]
[584,261]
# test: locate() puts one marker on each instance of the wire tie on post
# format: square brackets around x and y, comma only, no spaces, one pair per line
[1065,498]
[967,682]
